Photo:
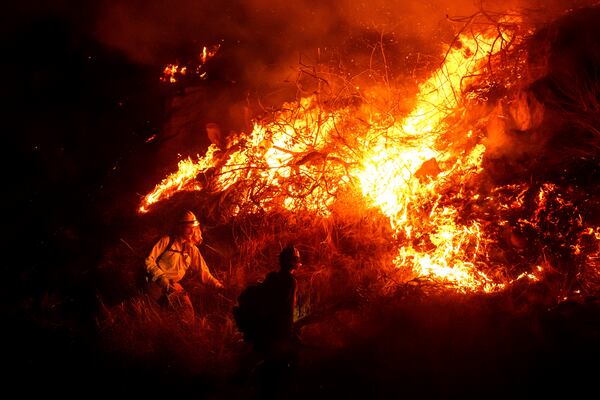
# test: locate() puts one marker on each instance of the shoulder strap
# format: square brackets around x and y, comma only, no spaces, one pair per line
[166,249]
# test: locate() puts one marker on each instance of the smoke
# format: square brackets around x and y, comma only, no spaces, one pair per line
[264,43]
[267,34]
[263,40]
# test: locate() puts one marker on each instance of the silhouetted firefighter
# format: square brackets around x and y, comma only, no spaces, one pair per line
[265,316]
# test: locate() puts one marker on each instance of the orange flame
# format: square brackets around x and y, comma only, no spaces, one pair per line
[208,53]
[388,174]
[173,72]
[183,179]
[297,162]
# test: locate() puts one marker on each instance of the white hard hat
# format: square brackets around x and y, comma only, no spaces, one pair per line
[188,217]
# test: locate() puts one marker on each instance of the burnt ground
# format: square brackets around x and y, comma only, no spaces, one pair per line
[77,120]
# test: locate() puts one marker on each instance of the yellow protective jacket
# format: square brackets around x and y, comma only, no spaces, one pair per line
[175,261]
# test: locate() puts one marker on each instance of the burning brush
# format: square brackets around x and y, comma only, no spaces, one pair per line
[426,173]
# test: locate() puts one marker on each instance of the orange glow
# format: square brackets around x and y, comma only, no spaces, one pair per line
[414,170]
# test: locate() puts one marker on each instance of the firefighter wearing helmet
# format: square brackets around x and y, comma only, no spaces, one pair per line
[265,315]
[171,258]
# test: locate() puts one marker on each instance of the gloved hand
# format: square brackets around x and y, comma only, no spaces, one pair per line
[177,287]
[163,281]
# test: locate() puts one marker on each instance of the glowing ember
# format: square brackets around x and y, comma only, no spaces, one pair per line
[173,73]
[208,53]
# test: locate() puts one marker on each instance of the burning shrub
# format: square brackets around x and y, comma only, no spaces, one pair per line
[428,172]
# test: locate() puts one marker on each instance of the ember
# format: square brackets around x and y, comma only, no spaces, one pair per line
[173,72]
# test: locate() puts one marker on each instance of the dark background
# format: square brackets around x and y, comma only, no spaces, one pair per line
[76,115]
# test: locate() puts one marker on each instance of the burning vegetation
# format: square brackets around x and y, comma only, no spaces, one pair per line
[477,183]
[423,171]
[174,72]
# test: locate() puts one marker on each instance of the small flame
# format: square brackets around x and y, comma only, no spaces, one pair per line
[183,179]
[209,52]
[173,72]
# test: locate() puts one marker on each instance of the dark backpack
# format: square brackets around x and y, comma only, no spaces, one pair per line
[253,312]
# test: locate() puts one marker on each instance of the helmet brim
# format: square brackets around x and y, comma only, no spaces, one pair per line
[191,223]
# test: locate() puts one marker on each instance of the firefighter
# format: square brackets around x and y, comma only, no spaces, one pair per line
[169,261]
[277,340]
[283,286]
